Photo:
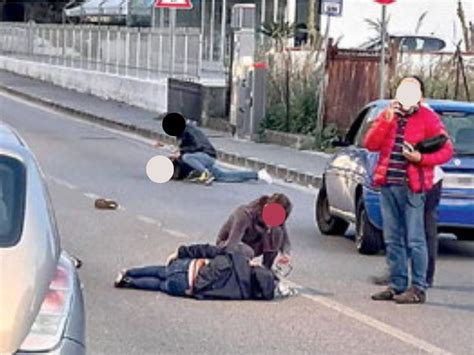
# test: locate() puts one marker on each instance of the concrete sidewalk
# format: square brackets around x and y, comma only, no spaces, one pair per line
[302,167]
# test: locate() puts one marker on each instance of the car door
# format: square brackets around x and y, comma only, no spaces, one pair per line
[344,168]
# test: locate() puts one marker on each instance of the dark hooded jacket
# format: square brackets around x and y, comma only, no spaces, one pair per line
[246,226]
[228,275]
[193,140]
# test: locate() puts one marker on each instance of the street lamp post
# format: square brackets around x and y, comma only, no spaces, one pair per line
[383,31]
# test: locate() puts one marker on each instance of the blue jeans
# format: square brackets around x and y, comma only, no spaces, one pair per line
[404,234]
[201,162]
[172,279]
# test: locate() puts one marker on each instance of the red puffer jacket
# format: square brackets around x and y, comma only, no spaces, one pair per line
[424,124]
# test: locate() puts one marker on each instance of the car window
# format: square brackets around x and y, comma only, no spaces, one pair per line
[367,122]
[433,45]
[460,126]
[351,134]
[12,200]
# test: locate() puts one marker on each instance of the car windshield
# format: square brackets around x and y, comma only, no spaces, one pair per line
[460,126]
[12,197]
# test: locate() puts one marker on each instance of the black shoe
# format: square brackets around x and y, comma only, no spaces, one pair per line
[411,296]
[386,295]
[121,281]
[382,280]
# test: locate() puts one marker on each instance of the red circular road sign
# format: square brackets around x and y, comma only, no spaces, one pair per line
[385,2]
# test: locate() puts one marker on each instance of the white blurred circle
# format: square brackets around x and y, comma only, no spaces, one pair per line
[159,169]
[408,93]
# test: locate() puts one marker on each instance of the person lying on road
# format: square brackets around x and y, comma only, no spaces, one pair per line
[203,272]
[246,227]
[198,153]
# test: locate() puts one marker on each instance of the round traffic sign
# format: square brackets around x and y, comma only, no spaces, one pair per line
[385,2]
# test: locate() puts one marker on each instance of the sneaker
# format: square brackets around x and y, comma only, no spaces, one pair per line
[121,280]
[386,295]
[265,176]
[205,178]
[411,296]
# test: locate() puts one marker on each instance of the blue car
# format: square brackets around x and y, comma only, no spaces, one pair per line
[347,195]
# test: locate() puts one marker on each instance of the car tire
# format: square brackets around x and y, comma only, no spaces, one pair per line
[368,239]
[328,224]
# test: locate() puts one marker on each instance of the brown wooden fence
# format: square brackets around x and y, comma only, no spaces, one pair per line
[353,81]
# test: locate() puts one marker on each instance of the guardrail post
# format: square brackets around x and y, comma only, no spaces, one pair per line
[107,63]
[127,50]
[89,50]
[117,50]
[139,42]
[148,54]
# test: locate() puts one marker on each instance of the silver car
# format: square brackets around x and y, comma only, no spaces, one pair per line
[41,304]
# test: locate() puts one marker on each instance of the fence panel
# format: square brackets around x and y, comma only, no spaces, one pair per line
[145,53]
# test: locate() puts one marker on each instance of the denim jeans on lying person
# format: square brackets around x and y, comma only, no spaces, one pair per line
[171,279]
[404,234]
[201,161]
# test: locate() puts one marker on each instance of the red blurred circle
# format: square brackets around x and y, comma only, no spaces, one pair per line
[385,2]
[273,214]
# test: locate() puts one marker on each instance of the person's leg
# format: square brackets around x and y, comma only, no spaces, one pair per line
[198,161]
[145,283]
[158,272]
[431,228]
[391,200]
[224,175]
[416,238]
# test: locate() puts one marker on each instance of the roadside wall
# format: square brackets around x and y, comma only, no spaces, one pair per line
[151,95]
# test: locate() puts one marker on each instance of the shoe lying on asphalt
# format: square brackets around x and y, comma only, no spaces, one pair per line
[381,280]
[104,204]
[265,176]
[386,295]
[411,296]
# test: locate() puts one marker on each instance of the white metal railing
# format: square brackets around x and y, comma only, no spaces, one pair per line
[146,53]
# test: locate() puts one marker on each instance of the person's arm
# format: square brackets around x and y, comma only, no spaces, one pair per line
[286,245]
[378,131]
[269,259]
[443,155]
[188,143]
[199,251]
[238,226]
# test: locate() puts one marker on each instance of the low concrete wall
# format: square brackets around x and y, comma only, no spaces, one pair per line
[145,94]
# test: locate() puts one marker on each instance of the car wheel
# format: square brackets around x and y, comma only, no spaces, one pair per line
[328,224]
[368,239]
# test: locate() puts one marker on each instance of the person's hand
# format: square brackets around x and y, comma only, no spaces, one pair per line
[255,262]
[390,112]
[175,156]
[413,156]
[284,259]
[172,258]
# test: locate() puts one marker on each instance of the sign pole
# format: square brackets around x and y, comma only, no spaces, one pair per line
[382,53]
[321,109]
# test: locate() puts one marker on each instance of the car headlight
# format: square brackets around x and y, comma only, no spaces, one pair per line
[48,328]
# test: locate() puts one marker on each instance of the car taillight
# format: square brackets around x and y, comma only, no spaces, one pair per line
[48,328]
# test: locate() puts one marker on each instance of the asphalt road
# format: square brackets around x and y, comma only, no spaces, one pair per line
[332,314]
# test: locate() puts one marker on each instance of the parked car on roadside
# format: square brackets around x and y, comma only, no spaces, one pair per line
[347,195]
[412,43]
[41,304]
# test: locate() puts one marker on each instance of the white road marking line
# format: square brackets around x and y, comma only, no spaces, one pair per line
[62,182]
[176,234]
[91,196]
[372,322]
[148,220]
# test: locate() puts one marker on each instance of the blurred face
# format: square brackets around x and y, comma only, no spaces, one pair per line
[409,93]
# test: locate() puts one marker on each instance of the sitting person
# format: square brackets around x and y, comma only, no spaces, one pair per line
[197,152]
[203,271]
[245,227]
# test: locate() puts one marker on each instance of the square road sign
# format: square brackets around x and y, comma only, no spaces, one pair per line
[331,7]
